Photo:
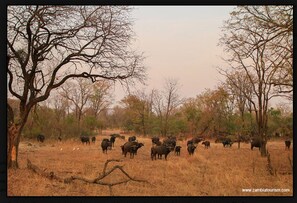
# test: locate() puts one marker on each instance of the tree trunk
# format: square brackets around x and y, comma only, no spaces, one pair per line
[13,146]
[263,149]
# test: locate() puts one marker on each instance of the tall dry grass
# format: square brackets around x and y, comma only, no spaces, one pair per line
[216,171]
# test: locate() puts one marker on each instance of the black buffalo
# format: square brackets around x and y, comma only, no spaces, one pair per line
[132,139]
[256,142]
[131,147]
[195,140]
[206,144]
[191,149]
[105,145]
[288,144]
[138,145]
[93,139]
[177,150]
[85,139]
[160,150]
[115,135]
[170,142]
[112,140]
[158,143]
[40,138]
[189,142]
[227,142]
[134,148]
[155,140]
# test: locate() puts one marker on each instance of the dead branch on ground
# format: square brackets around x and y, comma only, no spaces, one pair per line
[98,180]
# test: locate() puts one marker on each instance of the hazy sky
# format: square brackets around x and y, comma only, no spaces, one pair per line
[180,42]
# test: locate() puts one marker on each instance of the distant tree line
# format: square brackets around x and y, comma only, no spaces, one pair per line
[212,113]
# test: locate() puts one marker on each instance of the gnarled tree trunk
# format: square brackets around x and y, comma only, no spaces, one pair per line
[13,138]
[13,145]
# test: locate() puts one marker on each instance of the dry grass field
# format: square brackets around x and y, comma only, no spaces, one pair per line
[216,171]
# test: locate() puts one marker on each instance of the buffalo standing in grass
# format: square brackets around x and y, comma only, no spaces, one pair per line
[112,140]
[85,139]
[288,144]
[115,135]
[191,149]
[134,148]
[189,142]
[158,143]
[227,142]
[160,150]
[195,140]
[132,139]
[131,147]
[257,142]
[105,145]
[93,139]
[177,150]
[170,141]
[155,140]
[40,138]
[206,144]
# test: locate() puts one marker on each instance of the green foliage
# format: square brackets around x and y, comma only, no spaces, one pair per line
[90,122]
[69,120]
[194,116]
[86,132]
[128,125]
[177,126]
[31,133]
[279,123]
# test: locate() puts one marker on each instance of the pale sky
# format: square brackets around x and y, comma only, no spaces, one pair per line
[180,42]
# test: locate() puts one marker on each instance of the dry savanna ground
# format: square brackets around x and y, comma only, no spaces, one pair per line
[216,171]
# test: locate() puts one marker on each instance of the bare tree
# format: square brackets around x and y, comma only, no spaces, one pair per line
[278,21]
[100,97]
[47,45]
[239,88]
[61,109]
[166,102]
[249,44]
[146,110]
[78,92]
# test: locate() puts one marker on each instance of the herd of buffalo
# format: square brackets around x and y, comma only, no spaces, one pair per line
[159,147]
